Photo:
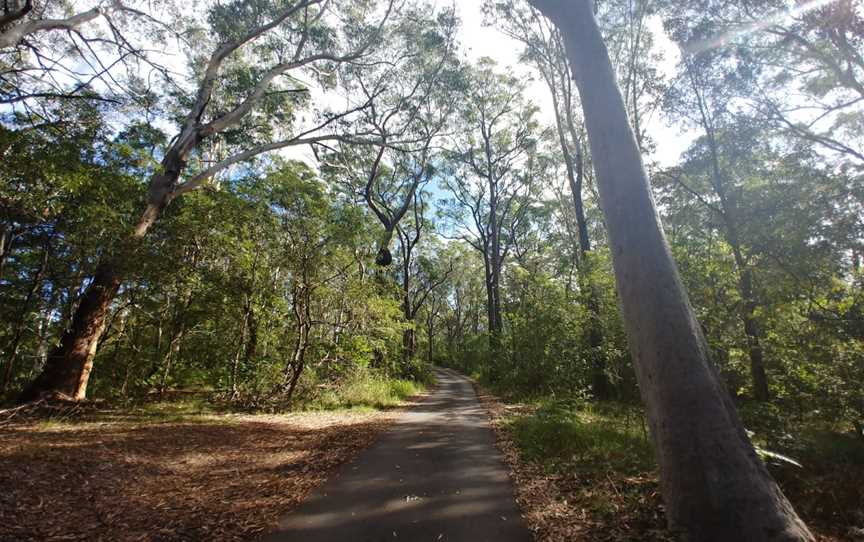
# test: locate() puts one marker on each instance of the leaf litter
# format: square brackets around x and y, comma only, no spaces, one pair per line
[226,477]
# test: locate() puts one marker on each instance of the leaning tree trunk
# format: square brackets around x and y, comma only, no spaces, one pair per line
[715,486]
[68,366]
[67,369]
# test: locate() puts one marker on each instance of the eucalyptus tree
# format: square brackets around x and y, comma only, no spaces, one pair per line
[412,97]
[421,274]
[491,179]
[714,484]
[112,53]
[819,52]
[246,91]
[315,231]
[806,59]
[627,30]
[62,195]
[544,50]
[704,96]
[20,20]
[794,226]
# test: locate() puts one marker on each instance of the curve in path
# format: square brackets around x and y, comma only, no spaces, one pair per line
[436,475]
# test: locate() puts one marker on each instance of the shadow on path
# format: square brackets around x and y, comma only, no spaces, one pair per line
[436,475]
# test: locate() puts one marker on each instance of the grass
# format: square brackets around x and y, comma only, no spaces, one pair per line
[176,410]
[582,471]
[600,460]
[366,391]
[564,437]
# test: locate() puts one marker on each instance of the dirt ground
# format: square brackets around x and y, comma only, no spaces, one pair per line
[203,478]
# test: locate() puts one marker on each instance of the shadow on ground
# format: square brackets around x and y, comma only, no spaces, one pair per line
[435,475]
[187,480]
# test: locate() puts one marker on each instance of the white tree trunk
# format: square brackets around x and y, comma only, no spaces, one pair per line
[715,486]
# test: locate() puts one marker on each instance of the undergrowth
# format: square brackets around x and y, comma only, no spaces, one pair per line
[366,389]
[602,438]
[601,459]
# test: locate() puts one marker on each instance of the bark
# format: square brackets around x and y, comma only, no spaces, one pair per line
[715,486]
[177,333]
[69,364]
[751,331]
[409,343]
[434,308]
[301,303]
[87,367]
[241,345]
[5,245]
[600,385]
[575,167]
[11,36]
[495,321]
[493,315]
[43,332]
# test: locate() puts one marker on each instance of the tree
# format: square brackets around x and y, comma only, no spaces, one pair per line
[491,181]
[412,99]
[714,484]
[301,38]
[707,94]
[420,275]
[544,49]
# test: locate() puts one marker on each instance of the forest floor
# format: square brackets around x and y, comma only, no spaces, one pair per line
[590,476]
[140,475]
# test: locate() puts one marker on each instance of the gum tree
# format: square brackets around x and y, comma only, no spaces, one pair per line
[247,82]
[714,484]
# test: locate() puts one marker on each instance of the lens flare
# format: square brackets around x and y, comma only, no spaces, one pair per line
[700,46]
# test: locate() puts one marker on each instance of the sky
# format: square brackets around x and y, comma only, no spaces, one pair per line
[483,41]
[479,41]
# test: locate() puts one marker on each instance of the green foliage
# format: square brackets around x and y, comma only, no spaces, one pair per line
[563,436]
[364,387]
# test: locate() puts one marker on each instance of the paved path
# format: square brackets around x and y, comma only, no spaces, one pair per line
[436,475]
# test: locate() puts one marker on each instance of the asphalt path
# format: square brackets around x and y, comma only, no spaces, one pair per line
[434,476]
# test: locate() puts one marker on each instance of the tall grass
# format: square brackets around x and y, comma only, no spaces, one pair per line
[564,436]
[365,388]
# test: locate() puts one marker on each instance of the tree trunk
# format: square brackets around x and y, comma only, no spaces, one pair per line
[728,212]
[575,167]
[241,346]
[751,331]
[301,304]
[298,361]
[5,245]
[408,335]
[715,486]
[87,368]
[600,385]
[409,343]
[71,360]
